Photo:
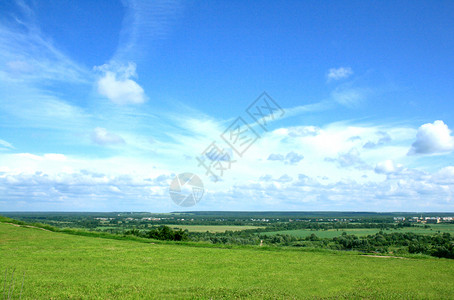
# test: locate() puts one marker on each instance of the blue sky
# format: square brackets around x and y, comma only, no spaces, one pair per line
[102,103]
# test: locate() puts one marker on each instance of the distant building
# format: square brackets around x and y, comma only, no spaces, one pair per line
[432,220]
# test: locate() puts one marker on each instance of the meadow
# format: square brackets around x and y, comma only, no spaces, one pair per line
[63,266]
[195,228]
[330,233]
[212,228]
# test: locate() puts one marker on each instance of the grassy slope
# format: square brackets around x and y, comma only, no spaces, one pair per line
[60,266]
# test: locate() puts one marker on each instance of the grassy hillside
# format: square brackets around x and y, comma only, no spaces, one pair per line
[59,266]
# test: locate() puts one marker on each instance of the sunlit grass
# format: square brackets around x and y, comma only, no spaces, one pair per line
[59,265]
[330,233]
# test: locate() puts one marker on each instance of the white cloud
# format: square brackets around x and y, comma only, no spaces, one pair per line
[274,156]
[60,182]
[82,190]
[433,139]
[307,108]
[349,159]
[26,54]
[335,151]
[144,23]
[117,85]
[55,156]
[284,178]
[291,158]
[345,188]
[444,176]
[411,190]
[221,155]
[384,138]
[102,137]
[120,184]
[349,97]
[5,144]
[388,167]
[299,131]
[339,73]
[33,67]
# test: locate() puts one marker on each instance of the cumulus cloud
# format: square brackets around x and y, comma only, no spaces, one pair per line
[266,177]
[388,167]
[284,178]
[444,176]
[116,84]
[349,159]
[84,190]
[304,180]
[101,136]
[409,190]
[433,139]
[291,158]
[339,73]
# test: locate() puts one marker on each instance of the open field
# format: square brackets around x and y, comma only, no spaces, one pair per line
[62,266]
[330,233]
[212,228]
[195,228]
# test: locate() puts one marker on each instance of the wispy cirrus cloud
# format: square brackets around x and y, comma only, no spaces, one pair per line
[28,55]
[34,107]
[348,96]
[144,23]
[5,145]
[36,75]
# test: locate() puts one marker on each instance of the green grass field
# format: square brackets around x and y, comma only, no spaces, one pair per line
[212,228]
[196,228]
[63,266]
[365,231]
